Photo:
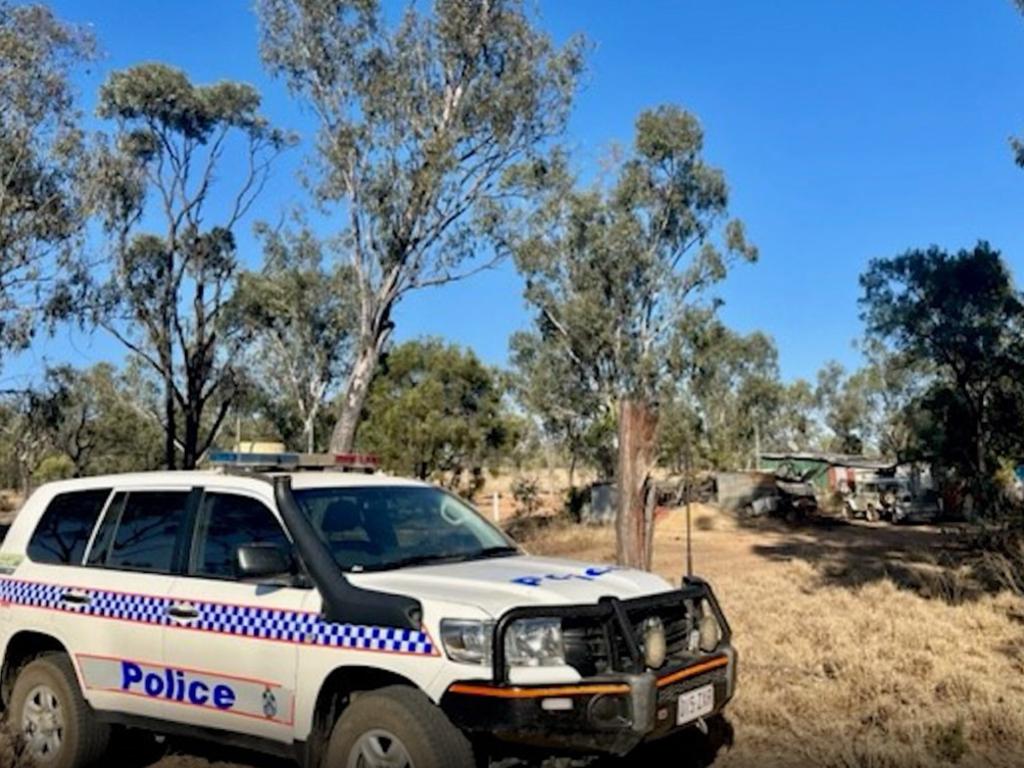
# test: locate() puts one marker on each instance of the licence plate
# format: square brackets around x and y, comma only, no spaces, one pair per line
[694,704]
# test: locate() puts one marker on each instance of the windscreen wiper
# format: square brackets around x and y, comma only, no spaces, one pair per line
[441,558]
[410,561]
[489,552]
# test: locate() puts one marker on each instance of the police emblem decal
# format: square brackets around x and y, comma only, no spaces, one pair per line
[269,703]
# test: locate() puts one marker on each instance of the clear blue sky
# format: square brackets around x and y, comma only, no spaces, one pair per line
[847,130]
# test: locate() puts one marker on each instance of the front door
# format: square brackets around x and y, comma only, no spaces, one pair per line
[230,650]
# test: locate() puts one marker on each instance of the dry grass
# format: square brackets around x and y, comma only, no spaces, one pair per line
[865,660]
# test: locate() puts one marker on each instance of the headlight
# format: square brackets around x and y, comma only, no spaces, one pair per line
[528,643]
[468,642]
[535,643]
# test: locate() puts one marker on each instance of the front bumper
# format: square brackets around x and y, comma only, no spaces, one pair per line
[609,714]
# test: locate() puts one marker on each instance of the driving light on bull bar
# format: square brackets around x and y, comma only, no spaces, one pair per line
[710,632]
[528,642]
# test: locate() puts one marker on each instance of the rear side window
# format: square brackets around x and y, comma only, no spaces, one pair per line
[227,522]
[147,534]
[65,527]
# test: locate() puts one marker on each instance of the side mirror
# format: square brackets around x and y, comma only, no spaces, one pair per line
[261,561]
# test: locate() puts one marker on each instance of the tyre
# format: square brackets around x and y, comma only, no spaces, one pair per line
[871,515]
[396,727]
[60,728]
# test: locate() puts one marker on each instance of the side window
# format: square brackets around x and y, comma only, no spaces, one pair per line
[65,527]
[147,533]
[226,522]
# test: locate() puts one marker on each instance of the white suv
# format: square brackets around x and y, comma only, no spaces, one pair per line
[341,618]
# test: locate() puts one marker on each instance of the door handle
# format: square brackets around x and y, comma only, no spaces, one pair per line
[75,598]
[183,612]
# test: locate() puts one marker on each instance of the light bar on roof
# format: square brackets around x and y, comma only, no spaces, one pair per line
[358,462]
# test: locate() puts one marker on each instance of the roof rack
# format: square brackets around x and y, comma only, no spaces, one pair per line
[291,462]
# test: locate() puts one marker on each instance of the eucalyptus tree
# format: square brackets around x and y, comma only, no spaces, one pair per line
[301,315]
[435,411]
[896,383]
[612,272]
[569,413]
[846,404]
[961,314]
[183,168]
[41,154]
[418,124]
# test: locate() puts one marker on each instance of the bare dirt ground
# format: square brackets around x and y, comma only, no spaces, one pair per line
[862,646]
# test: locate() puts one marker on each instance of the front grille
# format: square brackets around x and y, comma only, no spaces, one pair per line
[587,647]
[596,646]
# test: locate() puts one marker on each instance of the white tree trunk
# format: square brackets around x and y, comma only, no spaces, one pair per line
[344,436]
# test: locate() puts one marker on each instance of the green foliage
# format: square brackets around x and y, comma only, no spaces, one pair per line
[435,411]
[301,316]
[618,277]
[723,399]
[724,403]
[613,273]
[76,423]
[894,384]
[570,415]
[420,124]
[56,467]
[167,294]
[41,154]
[845,403]
[962,315]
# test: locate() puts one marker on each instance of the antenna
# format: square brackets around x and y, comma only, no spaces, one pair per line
[687,490]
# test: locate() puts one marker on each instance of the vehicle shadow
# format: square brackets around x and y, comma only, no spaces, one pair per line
[689,749]
[135,749]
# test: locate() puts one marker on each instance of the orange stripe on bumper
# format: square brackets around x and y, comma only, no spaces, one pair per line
[538,693]
[493,692]
[697,669]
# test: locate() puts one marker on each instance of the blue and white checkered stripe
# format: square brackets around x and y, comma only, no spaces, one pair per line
[244,621]
[307,628]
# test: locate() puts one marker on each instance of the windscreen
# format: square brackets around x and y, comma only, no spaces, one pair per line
[384,527]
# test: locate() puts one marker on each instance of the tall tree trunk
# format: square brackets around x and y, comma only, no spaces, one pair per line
[190,449]
[344,436]
[757,445]
[170,427]
[638,421]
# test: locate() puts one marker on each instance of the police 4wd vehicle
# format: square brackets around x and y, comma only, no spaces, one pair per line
[346,619]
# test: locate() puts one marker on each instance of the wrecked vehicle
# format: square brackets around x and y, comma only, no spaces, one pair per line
[889,498]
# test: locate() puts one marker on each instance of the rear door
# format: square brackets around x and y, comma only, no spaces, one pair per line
[102,589]
[234,643]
